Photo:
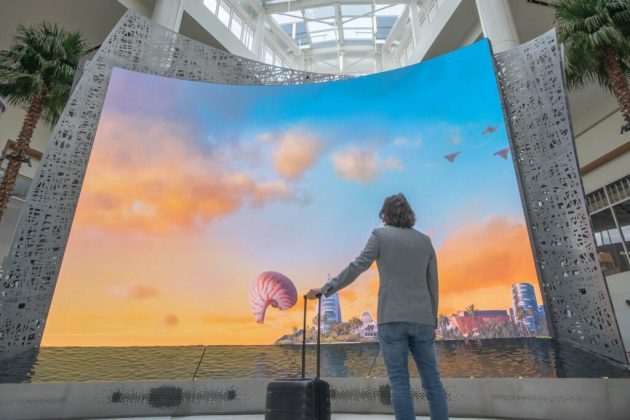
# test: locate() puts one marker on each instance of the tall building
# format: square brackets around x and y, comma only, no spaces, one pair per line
[469,325]
[369,329]
[366,318]
[331,312]
[524,296]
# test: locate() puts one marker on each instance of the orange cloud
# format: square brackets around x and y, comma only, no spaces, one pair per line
[170,320]
[362,165]
[348,295]
[140,291]
[150,178]
[491,255]
[360,296]
[294,153]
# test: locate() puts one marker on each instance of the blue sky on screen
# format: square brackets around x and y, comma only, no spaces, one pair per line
[414,116]
[193,189]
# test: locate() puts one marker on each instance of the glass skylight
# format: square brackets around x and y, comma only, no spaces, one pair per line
[315,26]
[288,17]
[384,26]
[320,12]
[354,34]
[355,9]
[393,10]
[336,24]
[324,36]
[361,22]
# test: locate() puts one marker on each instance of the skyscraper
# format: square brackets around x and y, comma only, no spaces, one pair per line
[331,312]
[524,296]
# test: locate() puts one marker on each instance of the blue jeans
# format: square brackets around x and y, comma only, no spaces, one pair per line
[396,339]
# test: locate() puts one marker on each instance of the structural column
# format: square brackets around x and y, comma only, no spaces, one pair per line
[169,13]
[497,24]
[259,36]
[415,21]
[378,62]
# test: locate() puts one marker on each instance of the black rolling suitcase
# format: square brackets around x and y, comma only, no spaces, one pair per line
[297,399]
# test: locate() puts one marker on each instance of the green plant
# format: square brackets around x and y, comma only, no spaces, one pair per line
[36,73]
[521,314]
[595,35]
[355,323]
[471,310]
[443,323]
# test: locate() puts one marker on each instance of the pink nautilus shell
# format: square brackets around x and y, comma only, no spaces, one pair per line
[271,288]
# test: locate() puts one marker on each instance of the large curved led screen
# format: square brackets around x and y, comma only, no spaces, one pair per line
[207,210]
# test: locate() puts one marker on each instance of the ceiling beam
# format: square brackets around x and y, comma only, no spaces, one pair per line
[333,51]
[374,28]
[339,24]
[275,28]
[282,6]
[399,26]
[354,63]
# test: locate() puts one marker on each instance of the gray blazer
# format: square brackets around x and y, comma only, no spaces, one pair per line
[407,268]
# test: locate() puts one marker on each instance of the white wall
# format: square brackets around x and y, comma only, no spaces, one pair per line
[597,132]
[94,19]
[596,142]
[619,288]
[10,126]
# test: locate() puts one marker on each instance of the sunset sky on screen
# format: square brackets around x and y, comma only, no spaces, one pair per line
[193,189]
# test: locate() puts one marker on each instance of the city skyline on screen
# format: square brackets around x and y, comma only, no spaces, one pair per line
[194,189]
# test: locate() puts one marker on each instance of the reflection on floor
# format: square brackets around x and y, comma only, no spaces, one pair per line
[261,417]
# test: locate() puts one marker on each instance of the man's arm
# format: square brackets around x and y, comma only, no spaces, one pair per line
[355,268]
[432,283]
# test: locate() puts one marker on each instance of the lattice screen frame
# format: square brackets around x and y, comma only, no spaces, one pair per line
[529,75]
[576,297]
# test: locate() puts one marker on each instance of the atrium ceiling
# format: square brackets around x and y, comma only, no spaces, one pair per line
[338,32]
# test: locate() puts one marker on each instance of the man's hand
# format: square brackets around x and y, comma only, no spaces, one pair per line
[313,293]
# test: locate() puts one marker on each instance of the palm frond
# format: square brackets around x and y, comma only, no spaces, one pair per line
[587,28]
[42,61]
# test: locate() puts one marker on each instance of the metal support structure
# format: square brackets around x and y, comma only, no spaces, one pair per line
[577,301]
[287,6]
[168,13]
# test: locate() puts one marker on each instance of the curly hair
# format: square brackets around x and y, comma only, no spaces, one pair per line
[397,212]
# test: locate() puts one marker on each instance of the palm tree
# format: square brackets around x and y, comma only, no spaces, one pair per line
[355,323]
[36,73]
[520,316]
[495,330]
[471,311]
[596,34]
[443,323]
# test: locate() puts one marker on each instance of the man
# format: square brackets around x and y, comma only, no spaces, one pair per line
[407,304]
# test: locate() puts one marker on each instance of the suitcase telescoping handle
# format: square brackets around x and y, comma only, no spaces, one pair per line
[319,312]
[304,342]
